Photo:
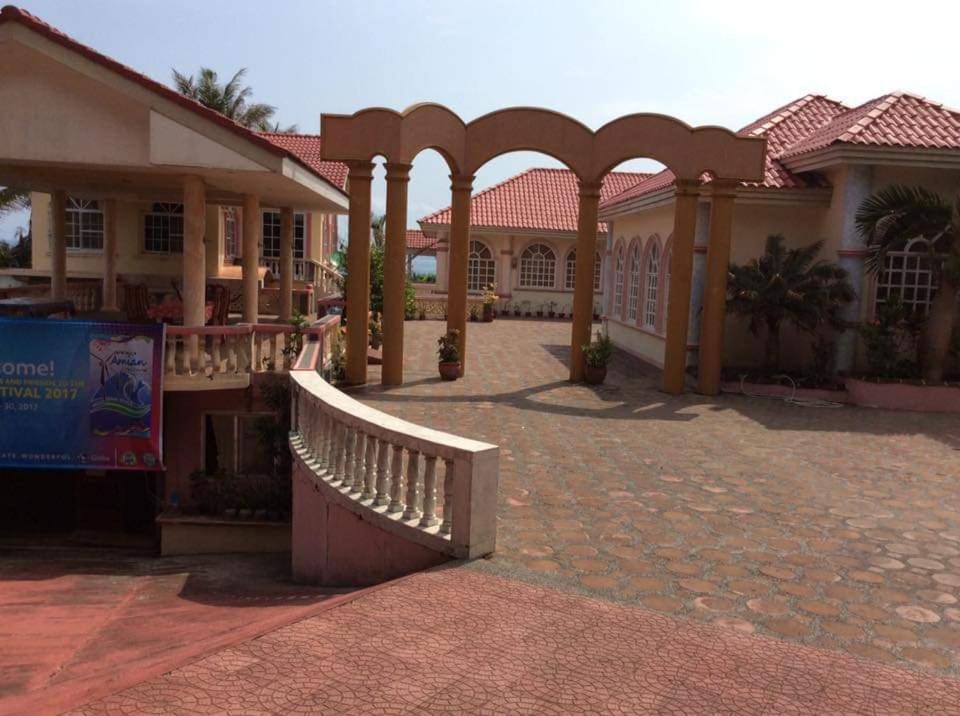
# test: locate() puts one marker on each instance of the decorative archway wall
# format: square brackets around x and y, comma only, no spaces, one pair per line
[687,151]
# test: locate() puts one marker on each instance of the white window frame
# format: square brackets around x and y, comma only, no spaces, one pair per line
[907,273]
[633,299]
[650,287]
[618,281]
[538,266]
[163,228]
[481,269]
[84,225]
[270,245]
[570,271]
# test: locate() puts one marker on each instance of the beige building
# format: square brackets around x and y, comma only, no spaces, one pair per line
[823,158]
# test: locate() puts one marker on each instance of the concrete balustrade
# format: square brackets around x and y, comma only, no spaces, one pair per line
[427,487]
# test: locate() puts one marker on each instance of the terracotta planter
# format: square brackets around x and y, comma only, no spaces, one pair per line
[487,313]
[594,375]
[449,371]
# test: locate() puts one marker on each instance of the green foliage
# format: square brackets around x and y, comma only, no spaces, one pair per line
[447,350]
[423,277]
[891,340]
[232,99]
[787,286]
[598,352]
[295,341]
[338,359]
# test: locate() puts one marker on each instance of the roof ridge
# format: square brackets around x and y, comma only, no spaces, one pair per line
[482,192]
[287,134]
[766,122]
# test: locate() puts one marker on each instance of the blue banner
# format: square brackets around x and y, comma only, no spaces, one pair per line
[75,394]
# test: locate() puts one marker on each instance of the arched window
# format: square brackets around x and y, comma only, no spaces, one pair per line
[634,302]
[618,283]
[653,274]
[538,266]
[84,224]
[163,229]
[908,274]
[481,268]
[570,273]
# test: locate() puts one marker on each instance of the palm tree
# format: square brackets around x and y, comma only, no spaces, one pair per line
[12,200]
[378,225]
[232,99]
[890,219]
[787,286]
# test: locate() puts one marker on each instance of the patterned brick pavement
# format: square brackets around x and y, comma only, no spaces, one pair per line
[834,528]
[456,641]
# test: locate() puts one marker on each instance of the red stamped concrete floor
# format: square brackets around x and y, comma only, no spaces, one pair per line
[834,528]
[75,624]
[458,640]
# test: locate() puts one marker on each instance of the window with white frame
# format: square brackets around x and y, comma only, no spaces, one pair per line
[618,283]
[634,301]
[163,229]
[538,265]
[230,233]
[650,298]
[84,225]
[271,234]
[481,267]
[570,271]
[909,275]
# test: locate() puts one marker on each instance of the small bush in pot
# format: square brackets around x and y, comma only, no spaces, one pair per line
[449,355]
[489,299]
[596,356]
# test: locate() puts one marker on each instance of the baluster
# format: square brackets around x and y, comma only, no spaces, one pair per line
[332,447]
[215,354]
[396,480]
[413,486]
[447,523]
[230,343]
[355,478]
[349,444]
[320,439]
[429,518]
[370,469]
[383,474]
[171,355]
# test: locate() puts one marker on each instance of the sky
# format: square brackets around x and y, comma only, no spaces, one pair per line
[723,62]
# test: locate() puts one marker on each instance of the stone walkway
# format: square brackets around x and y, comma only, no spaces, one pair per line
[833,528]
[458,641]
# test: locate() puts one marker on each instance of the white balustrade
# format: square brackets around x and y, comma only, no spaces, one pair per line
[445,499]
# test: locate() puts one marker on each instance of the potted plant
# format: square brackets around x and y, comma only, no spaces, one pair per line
[552,309]
[489,298]
[517,310]
[376,331]
[540,311]
[596,355]
[474,313]
[449,355]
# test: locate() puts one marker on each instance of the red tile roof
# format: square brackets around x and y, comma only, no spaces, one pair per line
[10,13]
[897,119]
[306,147]
[416,239]
[534,200]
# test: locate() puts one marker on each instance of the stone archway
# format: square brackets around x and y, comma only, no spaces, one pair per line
[689,152]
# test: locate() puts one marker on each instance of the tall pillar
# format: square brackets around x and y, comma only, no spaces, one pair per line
[358,271]
[443,255]
[583,281]
[194,253]
[286,263]
[460,187]
[109,302]
[715,288]
[58,246]
[251,257]
[681,269]
[394,273]
[851,256]
[701,242]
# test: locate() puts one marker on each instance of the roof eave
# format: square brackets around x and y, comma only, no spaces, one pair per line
[863,154]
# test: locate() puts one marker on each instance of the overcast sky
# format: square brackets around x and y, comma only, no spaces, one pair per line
[712,62]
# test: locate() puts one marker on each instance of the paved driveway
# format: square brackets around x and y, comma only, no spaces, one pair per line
[836,528]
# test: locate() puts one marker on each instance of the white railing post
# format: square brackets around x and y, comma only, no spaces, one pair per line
[429,517]
[370,469]
[359,452]
[447,523]
[413,483]
[396,480]
[383,474]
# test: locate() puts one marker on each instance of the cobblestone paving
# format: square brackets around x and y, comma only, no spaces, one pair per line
[835,528]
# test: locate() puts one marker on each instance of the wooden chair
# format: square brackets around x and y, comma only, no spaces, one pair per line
[136,302]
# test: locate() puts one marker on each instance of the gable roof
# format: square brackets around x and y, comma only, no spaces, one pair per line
[897,119]
[416,239]
[537,199]
[306,147]
[10,14]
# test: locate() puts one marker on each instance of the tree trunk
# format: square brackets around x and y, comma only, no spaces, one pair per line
[939,330]
[772,347]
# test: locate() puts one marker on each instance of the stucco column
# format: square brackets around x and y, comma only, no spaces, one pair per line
[715,288]
[358,271]
[681,270]
[583,279]
[58,246]
[394,273]
[443,248]
[286,263]
[701,242]
[109,302]
[251,257]
[194,253]
[460,187]
[851,256]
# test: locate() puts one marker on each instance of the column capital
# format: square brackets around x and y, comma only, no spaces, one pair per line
[589,189]
[398,171]
[723,187]
[687,187]
[461,182]
[360,169]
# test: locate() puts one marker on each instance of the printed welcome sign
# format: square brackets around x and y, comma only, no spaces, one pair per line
[77,394]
